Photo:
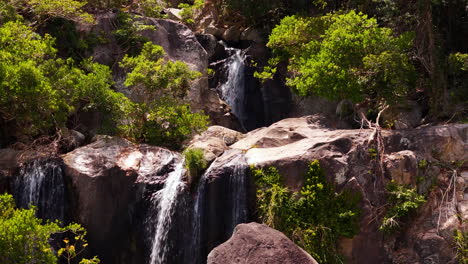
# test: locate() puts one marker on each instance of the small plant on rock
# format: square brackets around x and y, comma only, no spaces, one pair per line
[195,162]
[404,201]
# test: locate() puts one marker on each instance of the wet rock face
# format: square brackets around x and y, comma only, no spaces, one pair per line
[258,244]
[107,181]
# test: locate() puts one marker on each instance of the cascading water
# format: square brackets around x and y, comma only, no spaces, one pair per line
[233,90]
[166,200]
[238,183]
[228,210]
[41,184]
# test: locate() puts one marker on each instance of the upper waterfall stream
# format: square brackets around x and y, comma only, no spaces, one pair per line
[233,89]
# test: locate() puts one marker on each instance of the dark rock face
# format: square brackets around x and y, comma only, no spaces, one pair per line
[108,179]
[258,244]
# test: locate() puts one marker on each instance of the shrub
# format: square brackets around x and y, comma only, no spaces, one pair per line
[195,163]
[461,245]
[165,119]
[404,201]
[189,11]
[314,218]
[25,239]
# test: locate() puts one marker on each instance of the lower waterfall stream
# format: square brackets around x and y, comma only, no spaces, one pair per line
[166,200]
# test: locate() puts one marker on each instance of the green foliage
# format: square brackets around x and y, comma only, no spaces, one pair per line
[127,33]
[44,10]
[169,124]
[25,239]
[403,201]
[40,92]
[461,245]
[267,12]
[166,119]
[68,9]
[315,217]
[152,8]
[158,75]
[343,56]
[195,162]
[189,11]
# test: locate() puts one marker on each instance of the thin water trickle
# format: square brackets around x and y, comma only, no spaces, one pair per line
[166,200]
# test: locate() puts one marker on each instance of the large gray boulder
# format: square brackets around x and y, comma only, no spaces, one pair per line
[107,179]
[429,159]
[255,243]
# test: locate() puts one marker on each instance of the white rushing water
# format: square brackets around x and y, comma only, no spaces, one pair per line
[234,202]
[166,200]
[233,90]
[238,183]
[41,184]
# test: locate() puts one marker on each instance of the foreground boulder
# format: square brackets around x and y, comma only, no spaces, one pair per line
[107,179]
[255,243]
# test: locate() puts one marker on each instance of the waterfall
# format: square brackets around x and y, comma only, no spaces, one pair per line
[238,185]
[41,184]
[229,210]
[166,200]
[233,90]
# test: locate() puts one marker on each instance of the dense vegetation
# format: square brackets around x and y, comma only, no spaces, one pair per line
[373,50]
[314,217]
[24,238]
[343,56]
[40,92]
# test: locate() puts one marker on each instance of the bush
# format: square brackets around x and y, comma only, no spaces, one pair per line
[343,56]
[38,92]
[169,124]
[314,218]
[403,201]
[195,163]
[25,239]
[189,11]
[165,119]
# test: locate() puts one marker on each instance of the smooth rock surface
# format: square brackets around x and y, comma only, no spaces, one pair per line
[214,141]
[291,144]
[103,176]
[255,243]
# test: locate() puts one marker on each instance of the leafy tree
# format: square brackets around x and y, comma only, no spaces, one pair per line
[164,117]
[38,92]
[314,218]
[157,75]
[24,238]
[343,56]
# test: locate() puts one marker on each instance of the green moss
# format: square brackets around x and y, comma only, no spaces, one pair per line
[314,218]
